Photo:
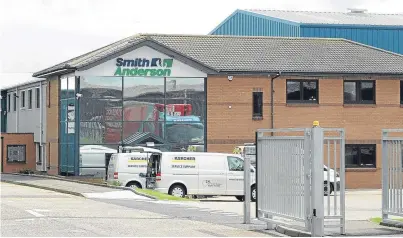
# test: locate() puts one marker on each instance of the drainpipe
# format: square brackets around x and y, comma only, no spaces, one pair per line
[43,164]
[2,154]
[272,99]
[17,111]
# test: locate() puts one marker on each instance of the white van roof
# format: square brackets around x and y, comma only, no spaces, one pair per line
[198,154]
[142,149]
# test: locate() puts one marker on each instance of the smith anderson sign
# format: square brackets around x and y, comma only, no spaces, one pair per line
[143,67]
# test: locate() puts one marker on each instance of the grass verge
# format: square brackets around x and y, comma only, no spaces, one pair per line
[161,196]
[378,220]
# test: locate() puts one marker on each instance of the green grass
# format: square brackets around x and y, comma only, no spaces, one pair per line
[378,220]
[162,196]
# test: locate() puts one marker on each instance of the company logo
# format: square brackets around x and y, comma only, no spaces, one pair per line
[143,67]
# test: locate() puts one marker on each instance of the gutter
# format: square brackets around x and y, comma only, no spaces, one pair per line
[272,98]
[60,71]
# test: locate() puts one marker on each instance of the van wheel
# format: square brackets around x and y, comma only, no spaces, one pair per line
[331,188]
[253,194]
[133,185]
[177,190]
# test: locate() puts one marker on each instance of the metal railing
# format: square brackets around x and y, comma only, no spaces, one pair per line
[392,174]
[291,180]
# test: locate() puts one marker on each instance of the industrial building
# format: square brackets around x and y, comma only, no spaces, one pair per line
[212,92]
[383,31]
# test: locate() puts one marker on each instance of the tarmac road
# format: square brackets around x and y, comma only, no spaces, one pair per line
[27,211]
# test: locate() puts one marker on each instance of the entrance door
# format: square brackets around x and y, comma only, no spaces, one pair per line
[234,176]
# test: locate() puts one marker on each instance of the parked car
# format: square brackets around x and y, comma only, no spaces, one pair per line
[198,173]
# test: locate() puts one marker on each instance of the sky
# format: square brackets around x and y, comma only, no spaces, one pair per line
[36,34]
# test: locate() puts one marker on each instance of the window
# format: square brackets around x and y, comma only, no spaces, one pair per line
[359,92]
[257,104]
[38,98]
[22,99]
[14,102]
[235,163]
[302,91]
[16,154]
[30,99]
[401,91]
[360,156]
[9,103]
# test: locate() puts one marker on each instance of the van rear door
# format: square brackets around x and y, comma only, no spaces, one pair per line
[112,168]
[153,173]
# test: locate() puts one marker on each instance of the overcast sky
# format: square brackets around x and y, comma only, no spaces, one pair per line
[36,34]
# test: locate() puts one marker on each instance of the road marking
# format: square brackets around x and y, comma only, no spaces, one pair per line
[25,219]
[41,210]
[34,213]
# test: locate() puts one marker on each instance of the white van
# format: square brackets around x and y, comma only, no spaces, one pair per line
[124,169]
[92,160]
[198,173]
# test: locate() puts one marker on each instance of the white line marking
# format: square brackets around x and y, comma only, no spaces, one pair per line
[34,213]
[25,219]
[41,210]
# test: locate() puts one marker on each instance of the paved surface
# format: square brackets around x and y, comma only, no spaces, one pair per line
[27,211]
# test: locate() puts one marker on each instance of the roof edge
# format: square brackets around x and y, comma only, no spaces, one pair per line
[372,47]
[280,20]
[311,74]
[224,21]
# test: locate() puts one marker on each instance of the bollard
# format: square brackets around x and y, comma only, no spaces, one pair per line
[247,190]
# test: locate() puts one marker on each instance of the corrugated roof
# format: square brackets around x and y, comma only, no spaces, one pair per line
[345,18]
[260,54]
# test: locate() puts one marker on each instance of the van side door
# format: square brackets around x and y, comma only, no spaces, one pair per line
[212,175]
[234,168]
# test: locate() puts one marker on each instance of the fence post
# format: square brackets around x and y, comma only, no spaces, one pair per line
[317,181]
[247,190]
[385,177]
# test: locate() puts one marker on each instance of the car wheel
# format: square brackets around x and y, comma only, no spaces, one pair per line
[177,190]
[240,198]
[325,189]
[253,194]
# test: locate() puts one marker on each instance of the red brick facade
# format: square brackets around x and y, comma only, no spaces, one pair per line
[30,154]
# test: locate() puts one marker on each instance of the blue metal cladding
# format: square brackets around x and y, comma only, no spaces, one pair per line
[388,38]
[244,23]
[250,24]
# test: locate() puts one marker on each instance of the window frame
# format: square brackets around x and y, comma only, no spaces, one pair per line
[29,98]
[15,102]
[8,102]
[255,114]
[358,87]
[301,87]
[357,166]
[37,97]
[23,99]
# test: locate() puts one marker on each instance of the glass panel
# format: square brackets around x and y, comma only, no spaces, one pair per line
[139,87]
[195,110]
[144,110]
[63,87]
[185,88]
[38,98]
[235,163]
[350,93]
[368,156]
[401,92]
[351,154]
[15,99]
[63,110]
[310,91]
[30,99]
[185,133]
[71,87]
[23,99]
[257,103]
[293,91]
[101,87]
[367,91]
[71,110]
[92,132]
[133,132]
[100,109]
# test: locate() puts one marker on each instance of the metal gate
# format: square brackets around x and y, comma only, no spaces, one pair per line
[392,174]
[294,169]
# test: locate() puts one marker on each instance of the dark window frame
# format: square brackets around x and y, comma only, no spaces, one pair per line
[358,87]
[14,102]
[30,98]
[17,162]
[9,103]
[401,92]
[357,166]
[23,101]
[254,113]
[301,89]
[38,97]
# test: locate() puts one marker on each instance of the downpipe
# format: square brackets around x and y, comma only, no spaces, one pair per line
[272,99]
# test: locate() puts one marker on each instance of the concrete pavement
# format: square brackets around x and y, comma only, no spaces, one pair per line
[27,211]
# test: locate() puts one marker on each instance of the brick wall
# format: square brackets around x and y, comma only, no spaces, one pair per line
[228,127]
[52,132]
[26,139]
